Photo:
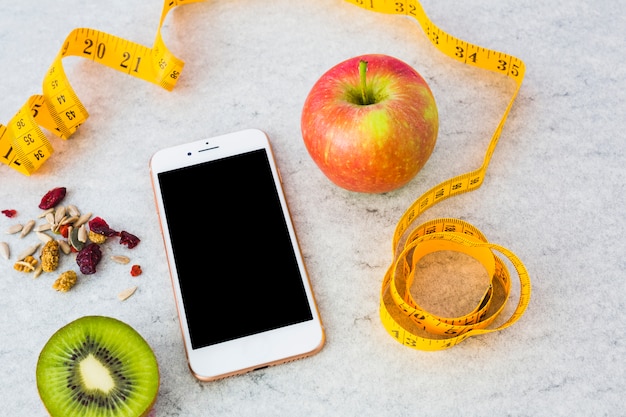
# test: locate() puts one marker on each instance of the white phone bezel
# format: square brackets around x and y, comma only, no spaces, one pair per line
[258,350]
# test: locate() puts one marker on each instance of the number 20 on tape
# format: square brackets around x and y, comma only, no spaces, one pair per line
[24,146]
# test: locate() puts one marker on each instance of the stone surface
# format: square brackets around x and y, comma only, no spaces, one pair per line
[554,195]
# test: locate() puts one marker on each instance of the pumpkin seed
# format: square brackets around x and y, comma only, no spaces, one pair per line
[72,237]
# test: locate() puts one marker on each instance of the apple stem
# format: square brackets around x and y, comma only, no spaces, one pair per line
[362,72]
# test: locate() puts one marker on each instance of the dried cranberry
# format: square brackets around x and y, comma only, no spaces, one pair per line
[135,270]
[98,225]
[64,230]
[88,258]
[9,213]
[52,198]
[129,240]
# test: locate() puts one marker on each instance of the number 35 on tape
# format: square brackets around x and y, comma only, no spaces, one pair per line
[401,315]
[24,147]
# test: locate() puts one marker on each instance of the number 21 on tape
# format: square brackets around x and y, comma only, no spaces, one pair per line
[23,145]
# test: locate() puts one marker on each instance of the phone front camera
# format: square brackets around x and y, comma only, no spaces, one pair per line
[188,153]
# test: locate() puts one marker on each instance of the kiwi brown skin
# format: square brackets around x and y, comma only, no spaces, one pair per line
[97,366]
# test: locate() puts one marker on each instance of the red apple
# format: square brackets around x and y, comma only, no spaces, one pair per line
[370,123]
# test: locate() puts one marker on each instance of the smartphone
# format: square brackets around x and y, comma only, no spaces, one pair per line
[242,292]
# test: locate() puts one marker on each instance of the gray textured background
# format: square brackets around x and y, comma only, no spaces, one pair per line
[554,194]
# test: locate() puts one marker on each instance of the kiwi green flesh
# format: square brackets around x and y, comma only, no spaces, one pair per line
[97,366]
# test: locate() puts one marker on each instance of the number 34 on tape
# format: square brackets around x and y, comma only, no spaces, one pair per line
[400,313]
[24,146]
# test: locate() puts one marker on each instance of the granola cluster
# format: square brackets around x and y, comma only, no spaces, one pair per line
[65,281]
[50,256]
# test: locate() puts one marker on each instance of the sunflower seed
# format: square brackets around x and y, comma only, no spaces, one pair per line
[50,218]
[27,228]
[57,226]
[82,233]
[72,237]
[68,220]
[43,237]
[38,271]
[65,247]
[73,210]
[45,213]
[120,259]
[28,252]
[4,250]
[16,228]
[59,214]
[126,293]
[82,219]
[43,227]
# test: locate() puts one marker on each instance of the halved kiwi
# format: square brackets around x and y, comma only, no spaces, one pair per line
[97,366]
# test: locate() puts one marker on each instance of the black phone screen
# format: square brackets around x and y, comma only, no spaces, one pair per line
[236,264]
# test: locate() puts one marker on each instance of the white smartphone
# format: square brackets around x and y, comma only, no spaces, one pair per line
[242,291]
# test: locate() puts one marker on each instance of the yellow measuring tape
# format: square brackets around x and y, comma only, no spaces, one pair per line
[24,147]
[403,318]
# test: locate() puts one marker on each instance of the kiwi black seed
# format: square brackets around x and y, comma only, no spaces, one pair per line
[97,366]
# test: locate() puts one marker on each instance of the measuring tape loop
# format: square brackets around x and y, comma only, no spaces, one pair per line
[401,315]
[412,325]
[23,145]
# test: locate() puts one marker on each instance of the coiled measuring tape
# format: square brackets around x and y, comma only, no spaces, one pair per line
[403,318]
[24,147]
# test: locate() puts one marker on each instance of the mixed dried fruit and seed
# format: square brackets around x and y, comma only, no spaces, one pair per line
[76,233]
